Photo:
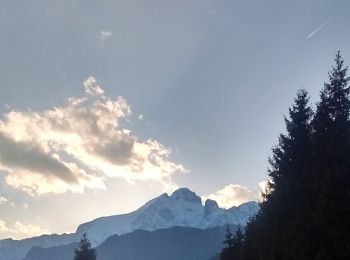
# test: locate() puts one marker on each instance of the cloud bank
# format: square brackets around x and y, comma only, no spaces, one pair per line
[78,146]
[233,195]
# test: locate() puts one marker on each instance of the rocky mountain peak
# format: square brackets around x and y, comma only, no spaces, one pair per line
[210,206]
[186,194]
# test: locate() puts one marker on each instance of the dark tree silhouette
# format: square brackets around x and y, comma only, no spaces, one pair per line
[84,250]
[233,244]
[283,213]
[238,244]
[331,171]
[306,211]
[228,243]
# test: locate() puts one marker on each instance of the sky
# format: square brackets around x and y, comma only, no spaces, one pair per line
[107,104]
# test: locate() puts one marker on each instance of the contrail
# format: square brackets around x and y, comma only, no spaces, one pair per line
[318,28]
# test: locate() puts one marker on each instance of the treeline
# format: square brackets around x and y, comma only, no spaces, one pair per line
[305,213]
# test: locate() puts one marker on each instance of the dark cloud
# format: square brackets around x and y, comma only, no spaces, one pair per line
[28,156]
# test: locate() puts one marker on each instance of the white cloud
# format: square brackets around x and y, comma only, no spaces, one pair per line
[3,200]
[233,195]
[19,230]
[78,145]
[92,88]
[104,36]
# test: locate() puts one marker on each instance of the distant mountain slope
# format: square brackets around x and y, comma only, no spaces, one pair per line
[16,249]
[171,244]
[183,208]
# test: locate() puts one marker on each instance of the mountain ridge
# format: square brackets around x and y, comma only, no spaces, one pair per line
[182,208]
[175,243]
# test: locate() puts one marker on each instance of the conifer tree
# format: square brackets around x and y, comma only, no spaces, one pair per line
[306,211]
[234,245]
[331,173]
[272,233]
[238,244]
[228,243]
[84,250]
[228,237]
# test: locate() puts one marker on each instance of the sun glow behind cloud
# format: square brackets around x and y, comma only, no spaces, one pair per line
[79,145]
[19,230]
[235,194]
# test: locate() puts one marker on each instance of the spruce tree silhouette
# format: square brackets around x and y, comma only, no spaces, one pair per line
[84,250]
[306,211]
[233,245]
[331,173]
[226,252]
[282,215]
[238,244]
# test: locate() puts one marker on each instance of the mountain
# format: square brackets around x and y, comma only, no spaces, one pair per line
[183,208]
[175,243]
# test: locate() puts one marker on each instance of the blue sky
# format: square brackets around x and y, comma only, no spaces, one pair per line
[208,82]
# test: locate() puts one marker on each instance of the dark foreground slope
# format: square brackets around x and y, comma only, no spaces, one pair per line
[172,244]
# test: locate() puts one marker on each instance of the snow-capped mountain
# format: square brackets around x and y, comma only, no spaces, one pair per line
[183,208]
